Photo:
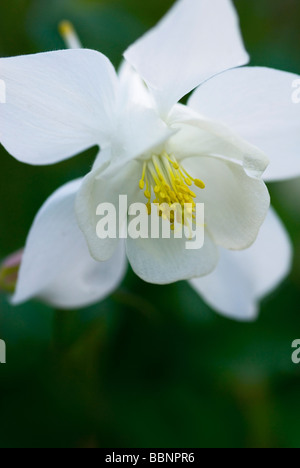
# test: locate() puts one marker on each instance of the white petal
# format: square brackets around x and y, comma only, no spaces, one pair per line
[138,133]
[194,41]
[105,186]
[57,266]
[57,104]
[165,261]
[241,279]
[235,204]
[197,135]
[257,103]
[132,87]
[140,129]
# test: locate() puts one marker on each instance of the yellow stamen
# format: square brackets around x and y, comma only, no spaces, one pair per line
[149,208]
[69,35]
[65,28]
[169,183]
[199,183]
[142,181]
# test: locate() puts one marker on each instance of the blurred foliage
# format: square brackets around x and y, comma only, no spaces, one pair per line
[157,368]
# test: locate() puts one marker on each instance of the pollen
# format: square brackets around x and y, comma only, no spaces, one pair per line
[165,181]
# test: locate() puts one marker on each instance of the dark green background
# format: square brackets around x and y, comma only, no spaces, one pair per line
[150,366]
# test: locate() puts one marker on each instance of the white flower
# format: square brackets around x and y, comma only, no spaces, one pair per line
[60,103]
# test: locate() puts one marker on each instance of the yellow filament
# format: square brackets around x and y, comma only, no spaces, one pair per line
[142,181]
[199,183]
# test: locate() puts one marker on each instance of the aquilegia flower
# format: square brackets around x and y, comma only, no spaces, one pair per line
[214,150]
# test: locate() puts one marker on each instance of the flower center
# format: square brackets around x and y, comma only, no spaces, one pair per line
[165,181]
